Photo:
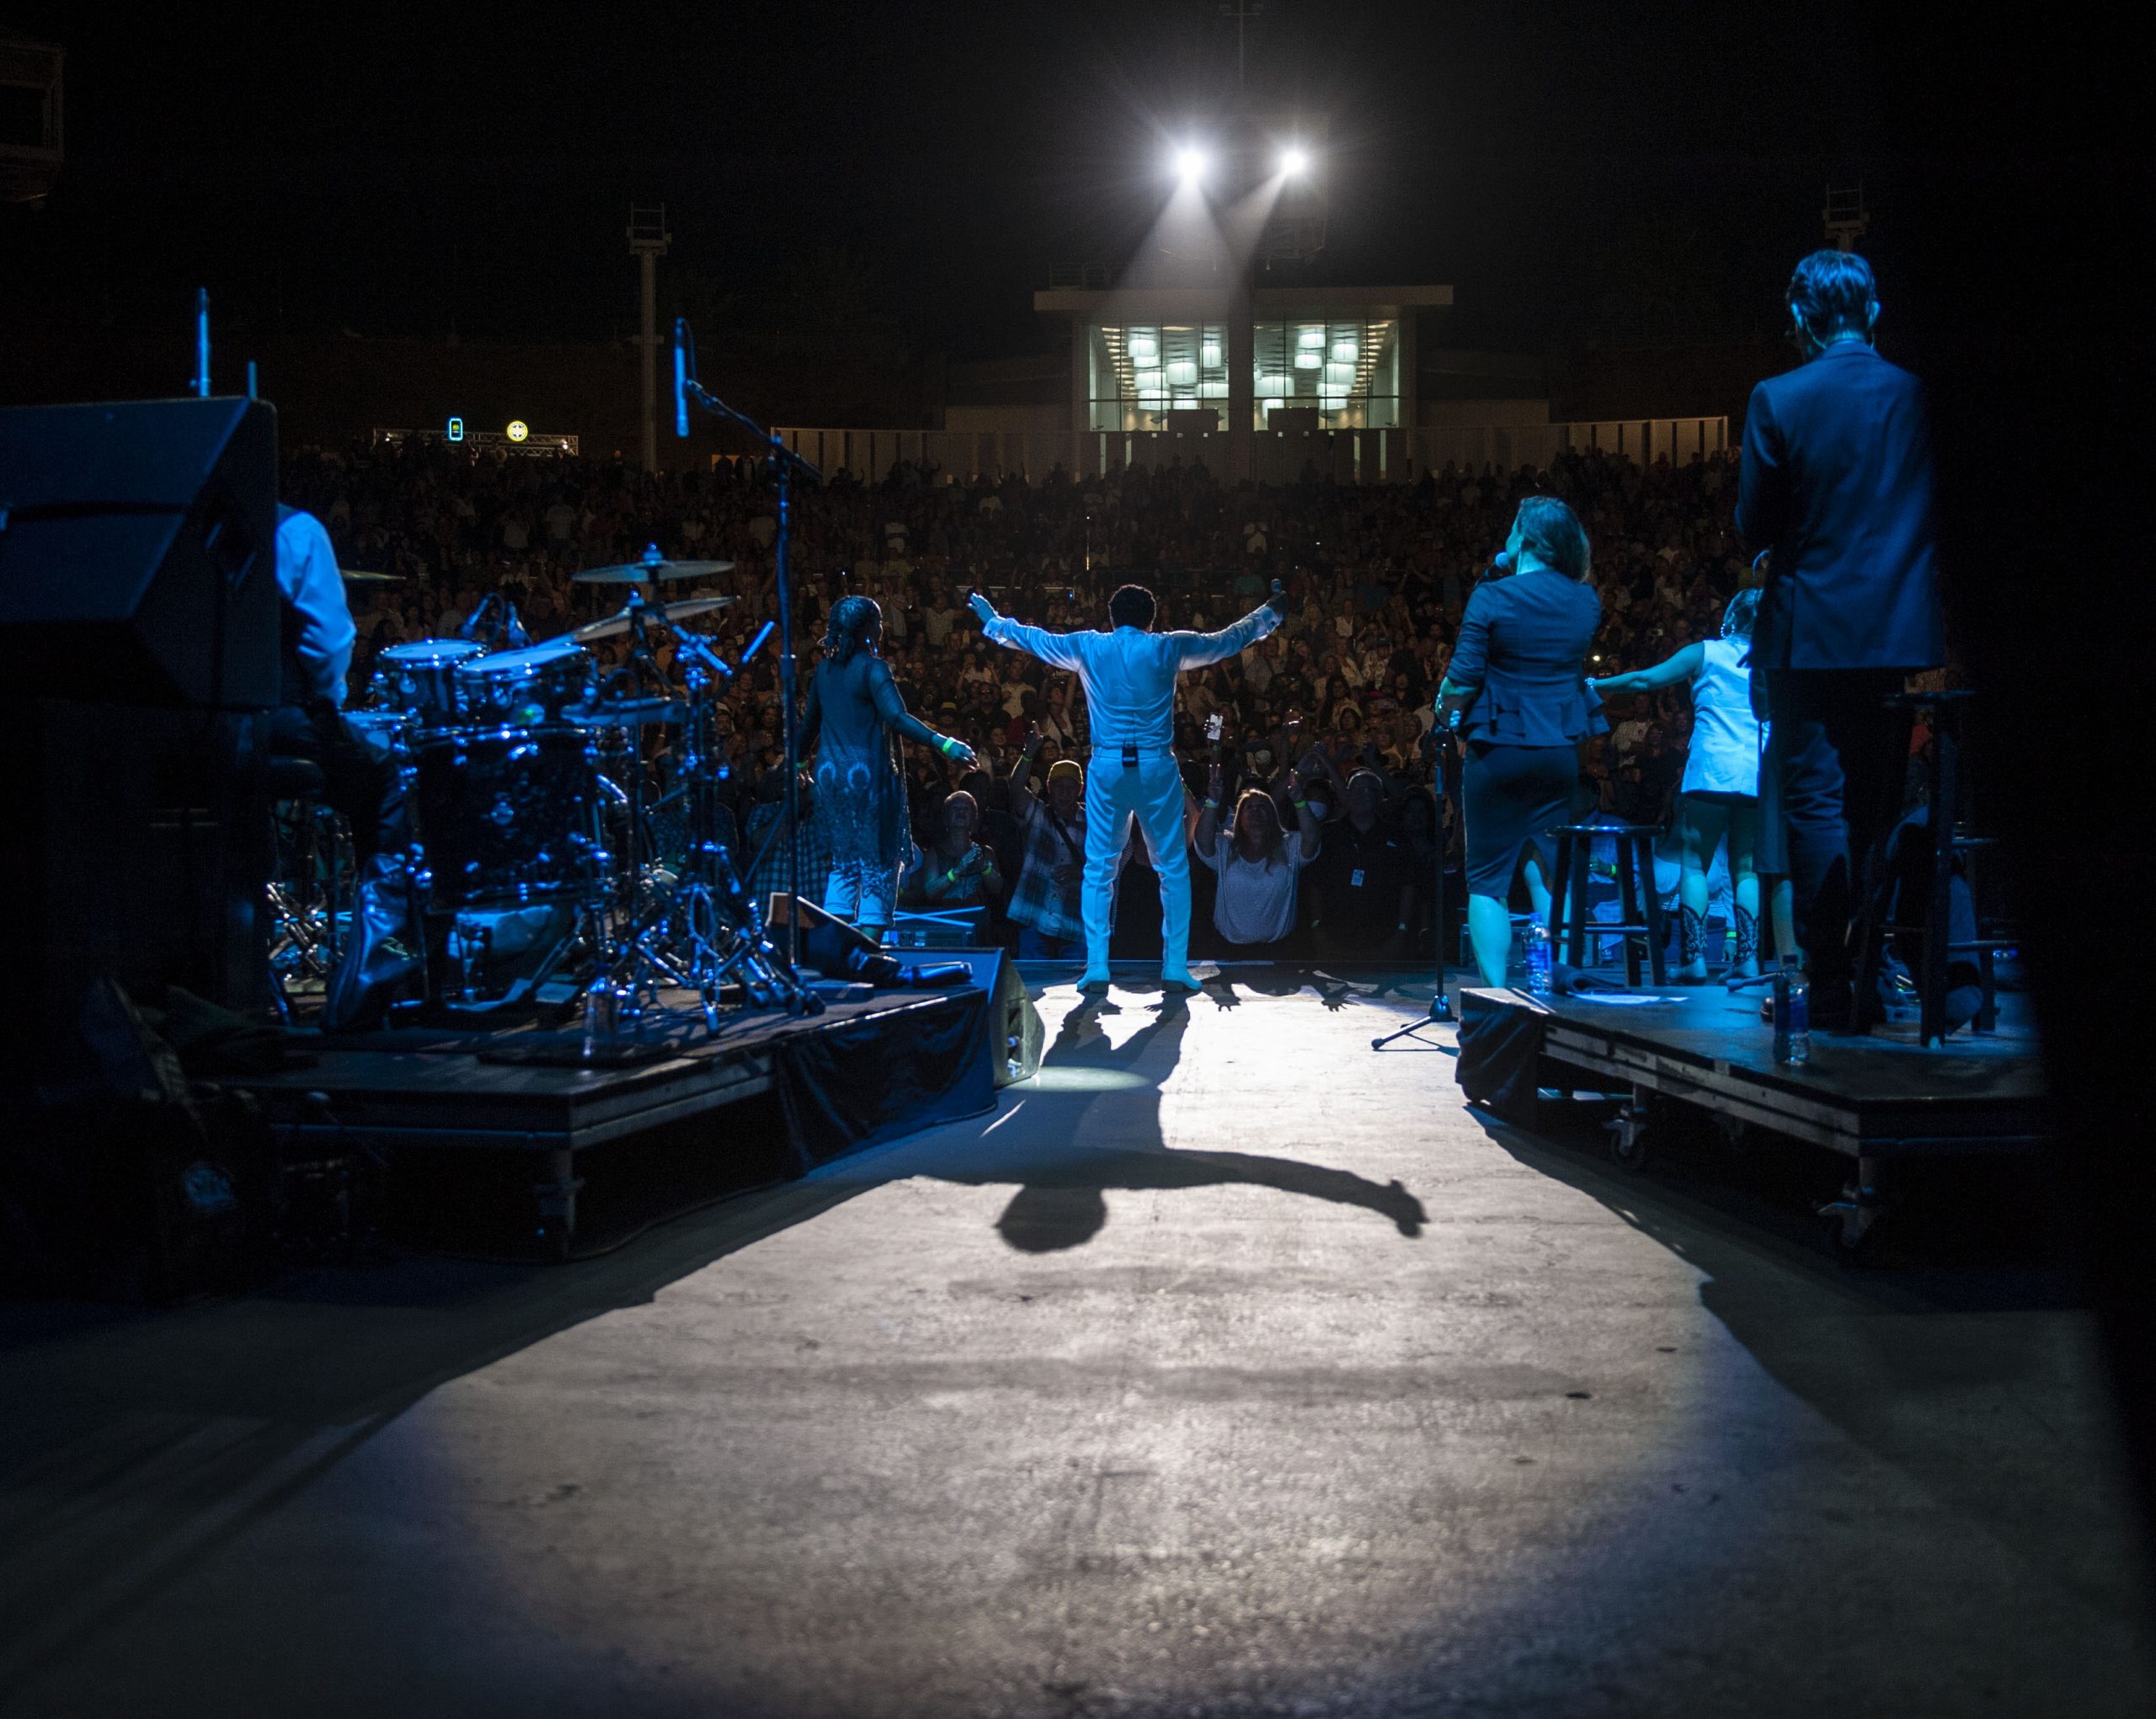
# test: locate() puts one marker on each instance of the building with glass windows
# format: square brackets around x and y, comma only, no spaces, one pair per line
[1300,357]
[1260,382]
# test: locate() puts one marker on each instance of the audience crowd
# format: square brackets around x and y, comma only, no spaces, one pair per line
[1377,577]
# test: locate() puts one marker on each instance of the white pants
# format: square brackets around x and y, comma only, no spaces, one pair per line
[1152,793]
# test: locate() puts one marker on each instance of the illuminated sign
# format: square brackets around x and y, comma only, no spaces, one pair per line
[518,429]
[456,429]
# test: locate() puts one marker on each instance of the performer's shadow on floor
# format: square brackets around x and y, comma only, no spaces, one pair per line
[1062,1200]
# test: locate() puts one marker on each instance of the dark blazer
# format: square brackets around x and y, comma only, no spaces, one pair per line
[1522,646]
[1836,481]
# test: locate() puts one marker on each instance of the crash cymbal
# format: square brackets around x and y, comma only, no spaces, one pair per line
[637,573]
[618,622]
[359,576]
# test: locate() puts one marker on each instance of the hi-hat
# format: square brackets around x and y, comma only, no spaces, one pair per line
[650,566]
[619,623]
[359,575]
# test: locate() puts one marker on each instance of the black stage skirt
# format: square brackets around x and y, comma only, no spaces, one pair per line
[1510,795]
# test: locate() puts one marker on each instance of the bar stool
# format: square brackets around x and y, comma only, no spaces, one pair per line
[1639,919]
[1947,796]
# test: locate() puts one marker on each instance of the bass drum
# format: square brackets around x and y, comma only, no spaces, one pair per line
[419,679]
[504,814]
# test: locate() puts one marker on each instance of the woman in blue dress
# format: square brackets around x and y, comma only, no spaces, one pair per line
[854,720]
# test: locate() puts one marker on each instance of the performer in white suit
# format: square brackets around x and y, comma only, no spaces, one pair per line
[1129,677]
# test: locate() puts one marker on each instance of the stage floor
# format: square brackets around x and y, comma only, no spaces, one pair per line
[1227,1367]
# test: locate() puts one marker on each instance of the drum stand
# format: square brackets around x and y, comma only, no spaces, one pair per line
[694,932]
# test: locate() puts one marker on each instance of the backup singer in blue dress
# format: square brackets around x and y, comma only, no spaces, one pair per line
[855,710]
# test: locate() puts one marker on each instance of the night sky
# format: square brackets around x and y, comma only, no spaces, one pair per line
[1574,172]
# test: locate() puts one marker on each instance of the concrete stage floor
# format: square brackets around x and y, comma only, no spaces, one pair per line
[1228,1368]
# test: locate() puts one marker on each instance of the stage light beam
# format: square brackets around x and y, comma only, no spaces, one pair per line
[1190,163]
[1294,161]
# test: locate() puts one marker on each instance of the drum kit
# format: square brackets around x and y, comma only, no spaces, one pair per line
[535,801]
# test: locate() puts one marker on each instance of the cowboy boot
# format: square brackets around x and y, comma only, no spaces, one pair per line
[1746,965]
[1692,940]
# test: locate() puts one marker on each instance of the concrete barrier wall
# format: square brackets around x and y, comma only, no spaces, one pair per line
[1277,456]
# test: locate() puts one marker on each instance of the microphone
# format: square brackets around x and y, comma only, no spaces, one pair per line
[513,630]
[1501,563]
[680,377]
[202,342]
[475,622]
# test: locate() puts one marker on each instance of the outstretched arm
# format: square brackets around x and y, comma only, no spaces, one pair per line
[1059,650]
[1198,649]
[1681,665]
[891,708]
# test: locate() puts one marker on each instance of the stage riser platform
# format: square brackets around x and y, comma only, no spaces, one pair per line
[1869,1098]
[763,1097]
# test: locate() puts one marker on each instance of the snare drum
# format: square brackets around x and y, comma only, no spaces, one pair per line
[503,814]
[381,732]
[534,685]
[419,679]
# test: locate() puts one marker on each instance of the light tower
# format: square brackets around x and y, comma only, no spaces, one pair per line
[1843,217]
[648,243]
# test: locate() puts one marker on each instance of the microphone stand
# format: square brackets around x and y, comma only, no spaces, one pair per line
[1440,1004]
[785,464]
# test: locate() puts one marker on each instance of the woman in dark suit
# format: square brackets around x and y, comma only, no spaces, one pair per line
[1517,688]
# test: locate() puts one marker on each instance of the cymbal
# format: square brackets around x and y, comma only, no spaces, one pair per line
[637,573]
[359,576]
[618,622]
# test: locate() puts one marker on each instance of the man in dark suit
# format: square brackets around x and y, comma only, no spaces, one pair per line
[1837,484]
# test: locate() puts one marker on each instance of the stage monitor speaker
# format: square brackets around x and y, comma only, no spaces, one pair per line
[1018,1022]
[138,553]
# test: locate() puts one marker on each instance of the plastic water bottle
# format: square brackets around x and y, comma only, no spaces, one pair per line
[1792,1015]
[1538,958]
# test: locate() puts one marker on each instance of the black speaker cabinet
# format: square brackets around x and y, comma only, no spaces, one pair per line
[994,972]
[138,553]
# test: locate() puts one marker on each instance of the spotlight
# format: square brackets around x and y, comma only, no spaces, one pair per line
[1190,164]
[1295,162]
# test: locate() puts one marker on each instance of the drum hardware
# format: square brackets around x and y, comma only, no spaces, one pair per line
[628,713]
